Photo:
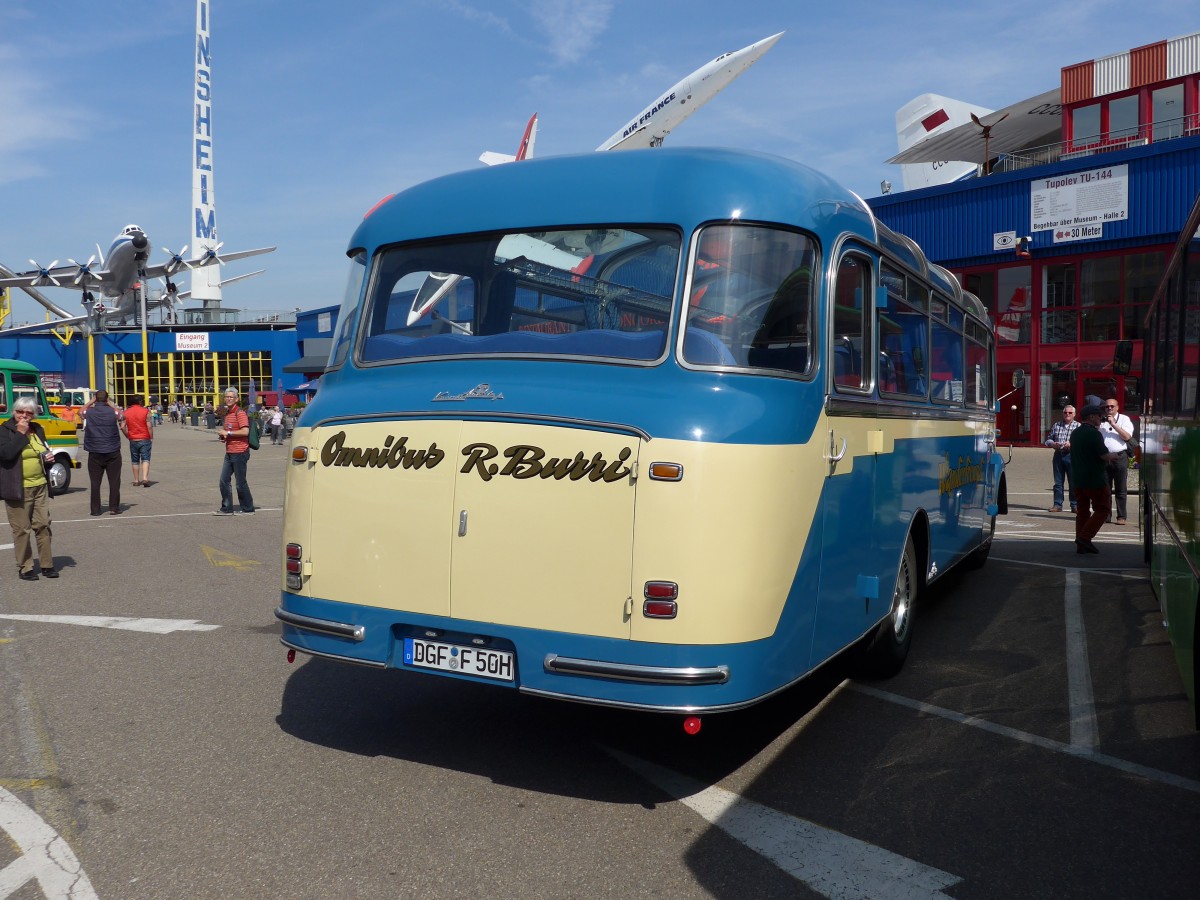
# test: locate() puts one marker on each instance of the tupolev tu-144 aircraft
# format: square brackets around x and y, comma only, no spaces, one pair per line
[120,271]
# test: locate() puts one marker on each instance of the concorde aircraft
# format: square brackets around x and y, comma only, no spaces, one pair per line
[651,126]
[119,272]
[647,129]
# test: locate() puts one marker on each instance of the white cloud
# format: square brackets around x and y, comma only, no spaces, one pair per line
[572,28]
[478,16]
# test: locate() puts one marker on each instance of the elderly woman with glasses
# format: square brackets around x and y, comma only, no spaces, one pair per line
[24,455]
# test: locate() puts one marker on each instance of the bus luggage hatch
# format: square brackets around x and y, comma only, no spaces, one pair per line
[544,521]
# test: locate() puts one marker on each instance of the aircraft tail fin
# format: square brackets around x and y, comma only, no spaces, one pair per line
[524,149]
[923,117]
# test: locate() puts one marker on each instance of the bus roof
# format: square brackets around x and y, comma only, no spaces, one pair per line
[17,365]
[681,186]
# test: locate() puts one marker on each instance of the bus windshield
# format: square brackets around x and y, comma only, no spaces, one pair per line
[600,291]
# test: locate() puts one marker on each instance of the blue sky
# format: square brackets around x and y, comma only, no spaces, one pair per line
[321,109]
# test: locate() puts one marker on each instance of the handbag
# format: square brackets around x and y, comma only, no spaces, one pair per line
[252,434]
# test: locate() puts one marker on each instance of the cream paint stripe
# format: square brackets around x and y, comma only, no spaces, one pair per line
[45,857]
[120,623]
[828,862]
[1129,768]
[1082,708]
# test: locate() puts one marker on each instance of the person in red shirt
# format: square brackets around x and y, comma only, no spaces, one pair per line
[139,428]
[236,435]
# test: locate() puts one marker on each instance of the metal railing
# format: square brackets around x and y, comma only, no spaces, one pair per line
[1092,145]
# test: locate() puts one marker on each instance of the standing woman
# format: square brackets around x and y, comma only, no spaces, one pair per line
[24,455]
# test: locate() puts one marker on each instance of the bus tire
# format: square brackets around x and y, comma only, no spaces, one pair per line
[979,555]
[58,475]
[887,648]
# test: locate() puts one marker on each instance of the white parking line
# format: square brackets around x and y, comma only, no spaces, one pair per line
[45,856]
[121,623]
[1131,768]
[831,863]
[1084,733]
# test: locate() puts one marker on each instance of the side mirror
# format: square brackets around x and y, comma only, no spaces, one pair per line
[1123,357]
[1018,378]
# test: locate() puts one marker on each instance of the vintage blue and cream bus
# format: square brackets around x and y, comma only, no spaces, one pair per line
[661,429]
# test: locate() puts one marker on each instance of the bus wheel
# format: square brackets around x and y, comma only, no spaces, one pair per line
[979,555]
[887,648]
[59,476]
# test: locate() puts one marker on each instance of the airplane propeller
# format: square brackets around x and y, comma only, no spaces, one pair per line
[177,260]
[43,275]
[210,256]
[85,270]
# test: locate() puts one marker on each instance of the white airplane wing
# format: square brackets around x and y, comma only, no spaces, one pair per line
[213,257]
[85,276]
[42,326]
[492,158]
[524,149]
[183,295]
[80,277]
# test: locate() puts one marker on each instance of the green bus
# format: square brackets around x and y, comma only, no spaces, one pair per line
[20,379]
[1170,468]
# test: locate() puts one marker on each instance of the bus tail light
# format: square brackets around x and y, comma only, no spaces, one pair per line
[660,597]
[293,566]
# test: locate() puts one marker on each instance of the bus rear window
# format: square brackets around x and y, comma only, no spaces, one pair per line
[595,292]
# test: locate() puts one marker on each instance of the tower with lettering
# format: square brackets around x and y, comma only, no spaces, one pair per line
[206,280]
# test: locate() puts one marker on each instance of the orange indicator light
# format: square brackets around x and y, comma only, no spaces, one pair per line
[666,471]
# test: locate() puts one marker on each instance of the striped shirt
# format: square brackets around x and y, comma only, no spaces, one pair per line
[1060,433]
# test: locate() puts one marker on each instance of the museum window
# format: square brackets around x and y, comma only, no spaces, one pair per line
[1100,299]
[1123,119]
[1142,273]
[1014,304]
[1166,106]
[194,378]
[1059,312]
[1085,125]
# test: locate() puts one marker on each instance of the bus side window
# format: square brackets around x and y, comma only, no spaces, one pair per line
[851,324]
[3,395]
[946,369]
[903,330]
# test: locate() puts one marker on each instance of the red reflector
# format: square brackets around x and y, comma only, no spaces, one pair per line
[661,590]
[294,551]
[660,609]
[293,566]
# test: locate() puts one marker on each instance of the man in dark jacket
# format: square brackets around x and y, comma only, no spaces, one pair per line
[102,441]
[1089,475]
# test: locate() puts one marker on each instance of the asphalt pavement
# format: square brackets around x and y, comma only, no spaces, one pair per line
[155,742]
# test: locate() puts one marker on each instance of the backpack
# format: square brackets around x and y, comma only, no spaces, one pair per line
[252,436]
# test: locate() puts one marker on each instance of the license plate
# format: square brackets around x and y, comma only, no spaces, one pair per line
[477,661]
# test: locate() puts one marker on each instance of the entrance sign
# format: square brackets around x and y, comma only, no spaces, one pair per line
[195,341]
